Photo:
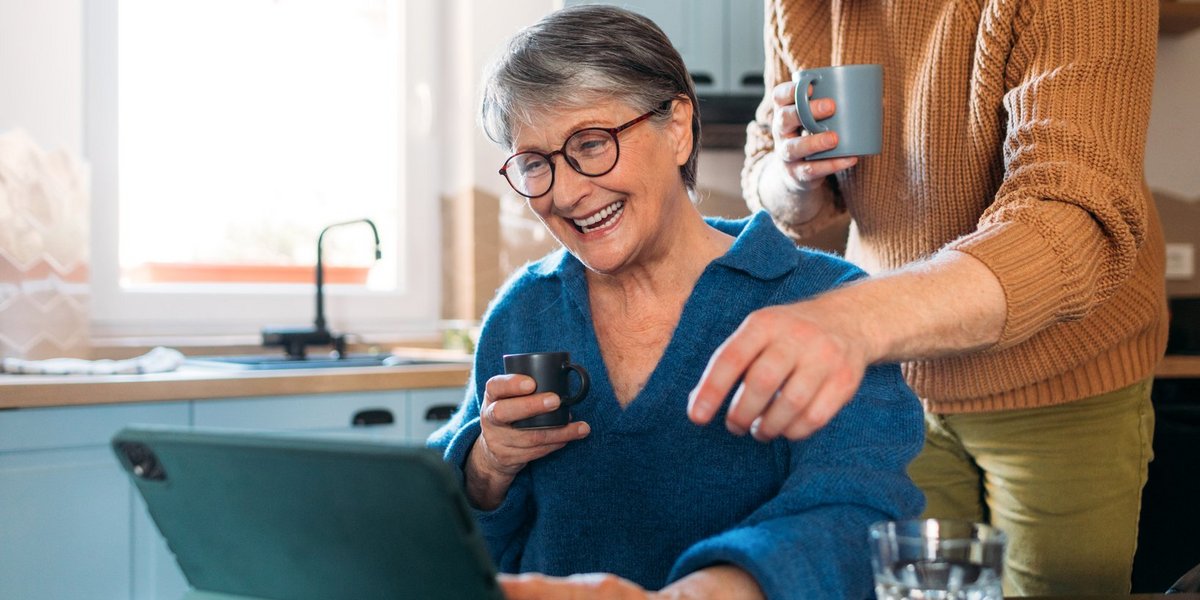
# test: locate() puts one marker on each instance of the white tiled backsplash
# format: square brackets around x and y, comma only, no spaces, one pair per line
[43,251]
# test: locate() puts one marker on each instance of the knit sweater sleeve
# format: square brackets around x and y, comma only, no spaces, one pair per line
[1065,227]
[503,528]
[791,24]
[810,540]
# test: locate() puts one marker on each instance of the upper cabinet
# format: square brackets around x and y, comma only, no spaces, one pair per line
[721,42]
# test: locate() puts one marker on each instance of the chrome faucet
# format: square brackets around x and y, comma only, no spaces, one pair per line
[295,340]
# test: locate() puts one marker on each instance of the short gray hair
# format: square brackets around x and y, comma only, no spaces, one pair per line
[578,55]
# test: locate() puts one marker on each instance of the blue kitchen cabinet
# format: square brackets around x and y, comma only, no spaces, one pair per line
[430,409]
[721,41]
[154,576]
[404,415]
[73,526]
[307,412]
[744,48]
[66,508]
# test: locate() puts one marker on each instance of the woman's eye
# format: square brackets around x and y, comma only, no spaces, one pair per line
[591,145]
[532,166]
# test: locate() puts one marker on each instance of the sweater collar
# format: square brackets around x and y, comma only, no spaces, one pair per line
[759,250]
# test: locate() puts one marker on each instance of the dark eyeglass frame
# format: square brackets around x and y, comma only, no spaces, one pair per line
[611,131]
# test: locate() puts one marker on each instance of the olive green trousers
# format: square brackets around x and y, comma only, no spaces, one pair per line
[1064,482]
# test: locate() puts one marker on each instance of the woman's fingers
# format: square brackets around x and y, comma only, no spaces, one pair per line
[764,377]
[507,386]
[795,373]
[822,108]
[515,408]
[789,403]
[784,94]
[833,395]
[732,358]
[803,406]
[583,586]
[798,149]
[793,145]
[508,398]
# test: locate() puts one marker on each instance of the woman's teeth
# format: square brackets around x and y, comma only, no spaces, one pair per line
[601,219]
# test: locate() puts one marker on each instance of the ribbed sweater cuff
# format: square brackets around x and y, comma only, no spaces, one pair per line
[1027,269]
[752,173]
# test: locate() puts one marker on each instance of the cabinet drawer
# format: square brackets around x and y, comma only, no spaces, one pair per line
[64,526]
[318,411]
[79,426]
[430,409]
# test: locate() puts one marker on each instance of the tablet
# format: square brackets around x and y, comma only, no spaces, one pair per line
[297,516]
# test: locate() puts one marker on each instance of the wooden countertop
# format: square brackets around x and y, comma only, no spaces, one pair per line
[196,383]
[1179,366]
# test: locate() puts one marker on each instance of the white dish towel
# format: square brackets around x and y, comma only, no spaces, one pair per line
[158,360]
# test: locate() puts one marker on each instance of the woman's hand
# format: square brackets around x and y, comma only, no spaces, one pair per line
[718,581]
[501,450]
[791,188]
[588,586]
[793,145]
[798,365]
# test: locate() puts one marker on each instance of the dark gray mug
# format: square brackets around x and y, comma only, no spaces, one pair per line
[857,90]
[551,372]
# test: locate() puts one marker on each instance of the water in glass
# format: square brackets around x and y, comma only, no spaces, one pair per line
[937,579]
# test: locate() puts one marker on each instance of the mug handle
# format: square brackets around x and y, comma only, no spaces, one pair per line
[802,99]
[583,388]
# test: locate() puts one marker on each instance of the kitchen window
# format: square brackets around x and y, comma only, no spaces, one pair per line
[223,136]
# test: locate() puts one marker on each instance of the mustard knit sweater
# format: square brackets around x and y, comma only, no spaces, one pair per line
[1014,131]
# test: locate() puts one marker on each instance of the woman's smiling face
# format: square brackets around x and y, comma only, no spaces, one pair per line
[621,218]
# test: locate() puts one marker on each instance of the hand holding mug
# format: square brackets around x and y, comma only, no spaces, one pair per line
[858,91]
[502,450]
[824,120]
[793,144]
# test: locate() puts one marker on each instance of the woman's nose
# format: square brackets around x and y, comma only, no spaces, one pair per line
[569,185]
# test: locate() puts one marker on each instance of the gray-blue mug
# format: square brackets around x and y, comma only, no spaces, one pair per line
[857,91]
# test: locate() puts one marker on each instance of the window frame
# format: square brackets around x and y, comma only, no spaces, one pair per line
[230,309]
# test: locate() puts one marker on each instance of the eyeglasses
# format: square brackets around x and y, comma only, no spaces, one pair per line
[591,152]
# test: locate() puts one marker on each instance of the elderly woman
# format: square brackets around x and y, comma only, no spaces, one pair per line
[600,115]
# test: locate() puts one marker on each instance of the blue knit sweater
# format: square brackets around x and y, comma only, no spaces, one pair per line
[650,496]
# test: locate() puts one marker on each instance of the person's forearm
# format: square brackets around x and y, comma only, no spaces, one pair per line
[950,304]
[485,488]
[721,581]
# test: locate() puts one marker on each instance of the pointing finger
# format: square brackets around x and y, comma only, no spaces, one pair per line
[724,369]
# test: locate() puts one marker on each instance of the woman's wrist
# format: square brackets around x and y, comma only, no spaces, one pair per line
[485,487]
[724,581]
[791,206]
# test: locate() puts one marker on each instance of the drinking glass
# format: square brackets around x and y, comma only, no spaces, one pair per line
[935,559]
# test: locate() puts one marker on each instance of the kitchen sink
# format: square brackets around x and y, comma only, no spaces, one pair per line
[279,361]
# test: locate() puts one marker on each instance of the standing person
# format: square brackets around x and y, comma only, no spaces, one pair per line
[597,112]
[1016,259]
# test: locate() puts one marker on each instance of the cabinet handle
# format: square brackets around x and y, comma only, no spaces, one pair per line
[372,416]
[753,80]
[441,412]
[702,78]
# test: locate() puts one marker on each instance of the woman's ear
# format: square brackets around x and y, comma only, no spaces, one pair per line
[680,128]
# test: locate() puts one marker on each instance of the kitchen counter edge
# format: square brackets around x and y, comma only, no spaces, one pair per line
[193,383]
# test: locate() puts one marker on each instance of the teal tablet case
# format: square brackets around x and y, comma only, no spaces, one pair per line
[299,516]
